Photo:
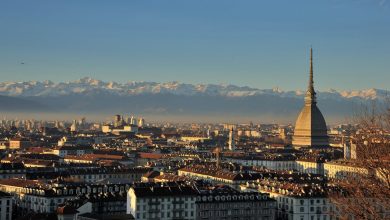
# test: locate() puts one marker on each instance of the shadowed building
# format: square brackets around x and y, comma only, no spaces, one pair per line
[310,127]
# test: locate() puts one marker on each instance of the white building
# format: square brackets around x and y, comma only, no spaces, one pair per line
[269,163]
[62,151]
[296,202]
[340,169]
[310,166]
[162,201]
[39,197]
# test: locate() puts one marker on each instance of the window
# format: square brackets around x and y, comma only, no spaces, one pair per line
[302,209]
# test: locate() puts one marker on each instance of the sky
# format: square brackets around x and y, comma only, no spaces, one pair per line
[262,44]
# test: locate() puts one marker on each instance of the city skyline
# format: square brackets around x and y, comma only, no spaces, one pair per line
[250,43]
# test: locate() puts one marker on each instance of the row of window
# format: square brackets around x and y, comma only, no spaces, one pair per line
[164,215]
[169,199]
[233,205]
[224,213]
[165,206]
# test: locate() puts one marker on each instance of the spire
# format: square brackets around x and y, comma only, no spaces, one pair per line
[311,82]
[311,94]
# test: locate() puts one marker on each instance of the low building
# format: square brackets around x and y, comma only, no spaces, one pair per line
[269,162]
[39,197]
[63,151]
[310,165]
[340,169]
[18,143]
[162,201]
[197,200]
[109,204]
[225,203]
[296,201]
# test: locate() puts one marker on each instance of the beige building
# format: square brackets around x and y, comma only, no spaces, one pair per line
[340,169]
[17,143]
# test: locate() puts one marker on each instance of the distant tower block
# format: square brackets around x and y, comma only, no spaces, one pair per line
[141,122]
[232,144]
[347,148]
[117,120]
[310,128]
[73,127]
[133,120]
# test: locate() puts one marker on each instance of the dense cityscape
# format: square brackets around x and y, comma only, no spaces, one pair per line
[130,168]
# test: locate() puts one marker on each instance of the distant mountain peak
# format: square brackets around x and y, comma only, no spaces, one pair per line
[90,86]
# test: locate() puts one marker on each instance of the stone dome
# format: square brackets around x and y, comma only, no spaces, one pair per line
[310,128]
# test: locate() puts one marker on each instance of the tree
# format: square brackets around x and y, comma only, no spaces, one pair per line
[366,195]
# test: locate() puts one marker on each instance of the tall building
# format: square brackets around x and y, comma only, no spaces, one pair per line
[232,144]
[310,127]
[73,127]
[117,120]
[133,121]
[141,122]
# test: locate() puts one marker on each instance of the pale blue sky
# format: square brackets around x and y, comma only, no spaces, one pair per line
[262,44]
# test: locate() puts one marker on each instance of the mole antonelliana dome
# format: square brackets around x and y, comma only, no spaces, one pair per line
[310,127]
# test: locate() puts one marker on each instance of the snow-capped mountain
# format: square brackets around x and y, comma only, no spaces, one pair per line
[215,102]
[89,86]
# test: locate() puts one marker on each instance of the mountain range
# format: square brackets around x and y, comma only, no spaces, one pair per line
[88,95]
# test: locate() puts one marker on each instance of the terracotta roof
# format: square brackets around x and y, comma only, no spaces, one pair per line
[23,183]
[150,155]
[93,157]
[151,174]
[66,210]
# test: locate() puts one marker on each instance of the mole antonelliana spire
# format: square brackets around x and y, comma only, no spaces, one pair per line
[311,94]
[310,127]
